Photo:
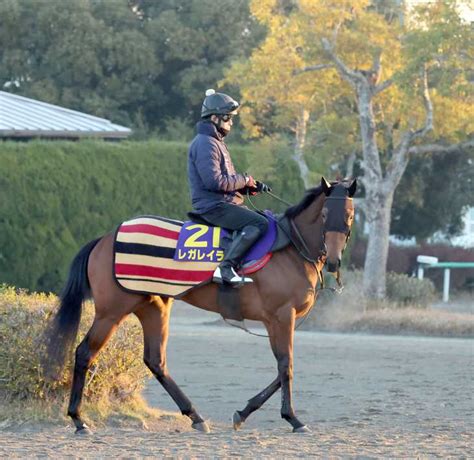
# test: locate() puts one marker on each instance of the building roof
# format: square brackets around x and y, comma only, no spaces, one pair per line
[21,117]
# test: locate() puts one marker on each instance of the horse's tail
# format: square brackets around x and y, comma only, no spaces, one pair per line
[62,330]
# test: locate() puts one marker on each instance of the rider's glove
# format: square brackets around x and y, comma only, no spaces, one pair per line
[250,181]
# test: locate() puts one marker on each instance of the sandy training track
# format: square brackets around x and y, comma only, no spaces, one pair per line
[361,395]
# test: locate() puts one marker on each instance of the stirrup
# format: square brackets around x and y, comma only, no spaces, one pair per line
[236,279]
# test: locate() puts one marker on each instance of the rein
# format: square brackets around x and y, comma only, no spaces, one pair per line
[307,256]
[278,199]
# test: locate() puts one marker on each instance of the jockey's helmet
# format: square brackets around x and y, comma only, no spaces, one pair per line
[218,104]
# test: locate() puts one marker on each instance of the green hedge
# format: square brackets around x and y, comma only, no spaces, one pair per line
[56,196]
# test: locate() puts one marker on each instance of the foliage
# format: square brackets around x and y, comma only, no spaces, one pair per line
[133,61]
[409,291]
[119,371]
[433,195]
[434,36]
[269,161]
[196,40]
[87,55]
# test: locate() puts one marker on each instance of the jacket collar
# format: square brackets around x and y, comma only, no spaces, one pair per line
[209,129]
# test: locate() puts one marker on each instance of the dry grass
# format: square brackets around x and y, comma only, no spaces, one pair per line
[350,312]
[407,321]
[113,386]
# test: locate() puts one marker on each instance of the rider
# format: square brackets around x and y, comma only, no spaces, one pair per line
[216,188]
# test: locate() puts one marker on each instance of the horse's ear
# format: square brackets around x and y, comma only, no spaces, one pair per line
[352,188]
[326,186]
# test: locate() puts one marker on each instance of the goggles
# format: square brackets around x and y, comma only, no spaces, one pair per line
[227,117]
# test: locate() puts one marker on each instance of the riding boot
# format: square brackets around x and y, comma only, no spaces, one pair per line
[226,271]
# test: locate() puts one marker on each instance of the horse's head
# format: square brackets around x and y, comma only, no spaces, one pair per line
[337,216]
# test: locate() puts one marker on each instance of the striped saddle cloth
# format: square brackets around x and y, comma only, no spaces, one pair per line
[161,256]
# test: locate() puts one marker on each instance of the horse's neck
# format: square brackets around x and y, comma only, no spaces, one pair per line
[309,224]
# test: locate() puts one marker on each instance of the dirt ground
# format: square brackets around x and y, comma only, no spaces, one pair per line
[363,396]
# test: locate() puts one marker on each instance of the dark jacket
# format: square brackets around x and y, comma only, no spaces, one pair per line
[211,173]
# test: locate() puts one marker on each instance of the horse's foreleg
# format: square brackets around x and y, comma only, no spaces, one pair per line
[281,331]
[87,350]
[255,403]
[154,317]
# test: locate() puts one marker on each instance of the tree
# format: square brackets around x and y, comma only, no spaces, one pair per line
[425,55]
[195,40]
[433,195]
[87,55]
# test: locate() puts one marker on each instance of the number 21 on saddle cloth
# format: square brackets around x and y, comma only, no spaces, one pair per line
[157,255]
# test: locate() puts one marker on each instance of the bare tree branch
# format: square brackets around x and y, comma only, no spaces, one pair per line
[335,32]
[400,157]
[428,107]
[312,68]
[398,163]
[438,148]
[347,74]
[377,62]
[382,86]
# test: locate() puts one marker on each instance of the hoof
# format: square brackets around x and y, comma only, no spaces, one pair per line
[237,420]
[201,426]
[84,431]
[302,429]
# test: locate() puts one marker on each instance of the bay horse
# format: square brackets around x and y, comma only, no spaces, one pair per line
[284,290]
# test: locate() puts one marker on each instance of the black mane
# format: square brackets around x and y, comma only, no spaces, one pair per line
[310,195]
[313,193]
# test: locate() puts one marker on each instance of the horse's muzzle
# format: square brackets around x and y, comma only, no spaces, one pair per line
[333,266]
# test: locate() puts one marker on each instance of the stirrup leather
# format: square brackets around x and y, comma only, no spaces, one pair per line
[236,278]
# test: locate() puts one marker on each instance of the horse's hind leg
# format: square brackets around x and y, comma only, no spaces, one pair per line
[154,316]
[255,403]
[87,350]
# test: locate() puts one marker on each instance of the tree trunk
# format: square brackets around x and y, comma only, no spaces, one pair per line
[378,199]
[300,141]
[375,266]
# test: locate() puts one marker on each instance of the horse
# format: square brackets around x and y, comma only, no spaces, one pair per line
[281,292]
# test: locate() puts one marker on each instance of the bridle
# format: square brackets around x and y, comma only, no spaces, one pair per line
[346,232]
[300,245]
[303,250]
[304,253]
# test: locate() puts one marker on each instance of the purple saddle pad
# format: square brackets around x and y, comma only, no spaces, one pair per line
[265,243]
